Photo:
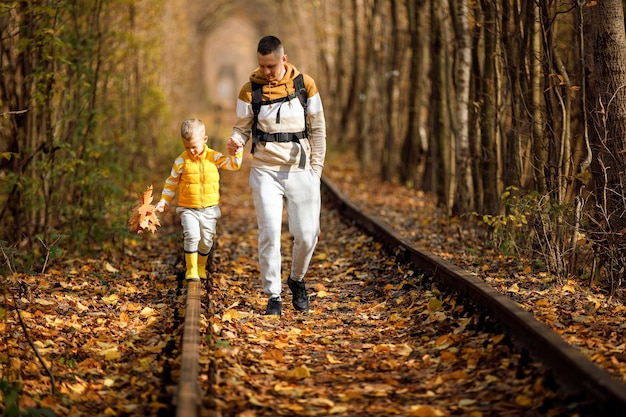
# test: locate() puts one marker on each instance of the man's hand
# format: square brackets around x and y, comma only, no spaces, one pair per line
[234,146]
[161,206]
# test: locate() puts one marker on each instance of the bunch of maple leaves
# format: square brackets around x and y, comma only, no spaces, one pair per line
[143,217]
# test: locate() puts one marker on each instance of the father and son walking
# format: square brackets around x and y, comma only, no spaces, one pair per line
[281,111]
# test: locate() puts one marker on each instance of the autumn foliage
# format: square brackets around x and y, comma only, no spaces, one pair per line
[143,217]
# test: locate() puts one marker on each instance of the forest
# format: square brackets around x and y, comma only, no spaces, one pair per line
[512,111]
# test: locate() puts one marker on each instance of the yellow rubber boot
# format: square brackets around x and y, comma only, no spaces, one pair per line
[191,262]
[202,259]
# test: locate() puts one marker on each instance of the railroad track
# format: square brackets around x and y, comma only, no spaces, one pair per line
[570,367]
[594,389]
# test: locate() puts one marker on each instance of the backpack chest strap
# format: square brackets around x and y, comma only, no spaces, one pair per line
[282,137]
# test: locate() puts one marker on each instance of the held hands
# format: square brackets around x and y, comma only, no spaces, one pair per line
[234,146]
[160,207]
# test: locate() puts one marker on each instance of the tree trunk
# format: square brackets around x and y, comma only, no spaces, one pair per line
[474,114]
[389,153]
[365,137]
[539,147]
[434,181]
[413,149]
[607,100]
[514,59]
[464,189]
[489,160]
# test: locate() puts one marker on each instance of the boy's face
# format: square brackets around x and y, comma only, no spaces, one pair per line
[195,145]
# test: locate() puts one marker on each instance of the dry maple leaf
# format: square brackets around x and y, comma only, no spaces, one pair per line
[143,217]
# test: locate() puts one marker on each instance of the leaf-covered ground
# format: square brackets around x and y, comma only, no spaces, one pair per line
[378,340]
[587,317]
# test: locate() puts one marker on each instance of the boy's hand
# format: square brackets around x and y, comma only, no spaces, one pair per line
[234,146]
[161,206]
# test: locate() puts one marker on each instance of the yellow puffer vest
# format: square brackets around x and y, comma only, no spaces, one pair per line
[199,185]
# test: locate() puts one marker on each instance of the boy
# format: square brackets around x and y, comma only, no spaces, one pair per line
[195,174]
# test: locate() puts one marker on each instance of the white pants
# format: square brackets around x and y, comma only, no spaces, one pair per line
[199,227]
[300,192]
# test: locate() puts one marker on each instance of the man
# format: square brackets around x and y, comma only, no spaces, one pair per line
[288,146]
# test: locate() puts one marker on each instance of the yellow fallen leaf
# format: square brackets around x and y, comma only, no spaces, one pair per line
[284,388]
[434,304]
[110,268]
[77,388]
[81,307]
[238,269]
[523,400]
[322,294]
[123,317]
[424,411]
[321,402]
[568,288]
[43,302]
[395,317]
[147,312]
[491,378]
[111,299]
[300,372]
[31,367]
[133,307]
[404,349]
[338,409]
[297,408]
[332,360]
[158,348]
[231,315]
[279,344]
[111,354]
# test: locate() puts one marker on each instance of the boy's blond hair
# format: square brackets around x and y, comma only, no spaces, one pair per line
[192,128]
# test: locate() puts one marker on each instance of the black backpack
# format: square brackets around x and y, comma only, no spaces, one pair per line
[257,101]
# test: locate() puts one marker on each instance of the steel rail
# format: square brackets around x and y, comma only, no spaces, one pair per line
[576,374]
[188,397]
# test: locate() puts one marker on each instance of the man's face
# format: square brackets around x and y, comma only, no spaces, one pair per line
[272,66]
[195,145]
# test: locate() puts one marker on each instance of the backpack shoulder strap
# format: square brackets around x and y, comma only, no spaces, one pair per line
[298,85]
[257,97]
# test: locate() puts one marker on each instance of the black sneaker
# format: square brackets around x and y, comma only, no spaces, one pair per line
[300,299]
[274,307]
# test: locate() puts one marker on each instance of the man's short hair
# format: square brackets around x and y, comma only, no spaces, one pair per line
[269,44]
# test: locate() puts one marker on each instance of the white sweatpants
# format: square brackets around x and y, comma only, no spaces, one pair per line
[199,227]
[300,192]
